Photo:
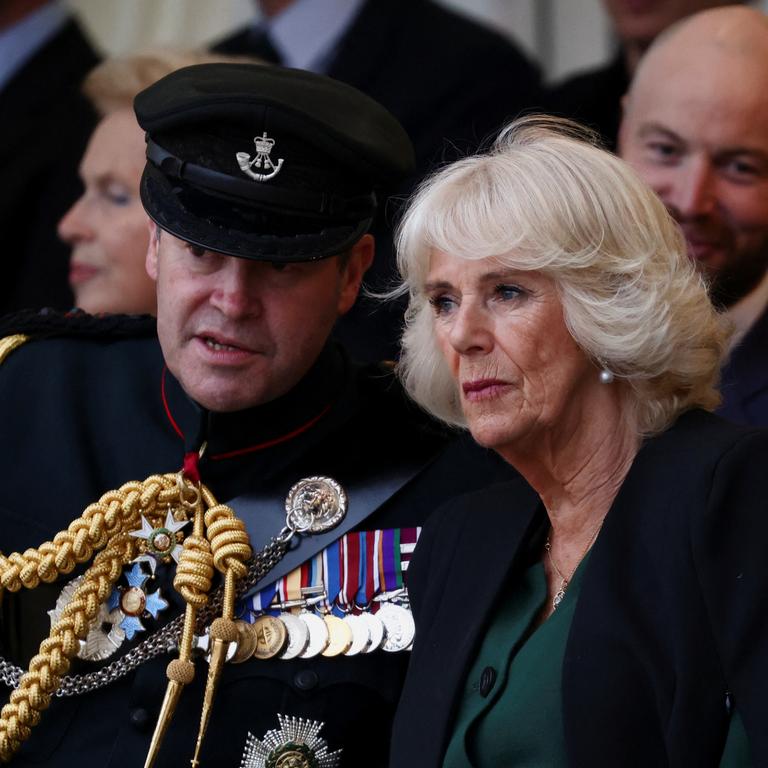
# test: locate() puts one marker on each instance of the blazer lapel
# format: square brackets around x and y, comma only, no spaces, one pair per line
[489,544]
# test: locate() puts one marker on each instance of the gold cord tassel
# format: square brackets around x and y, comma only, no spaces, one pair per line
[225,547]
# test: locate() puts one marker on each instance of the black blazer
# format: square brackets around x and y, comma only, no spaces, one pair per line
[744,381]
[671,627]
[45,126]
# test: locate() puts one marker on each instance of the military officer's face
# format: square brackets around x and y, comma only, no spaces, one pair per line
[238,333]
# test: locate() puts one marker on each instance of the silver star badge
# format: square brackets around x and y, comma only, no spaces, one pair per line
[296,744]
[163,542]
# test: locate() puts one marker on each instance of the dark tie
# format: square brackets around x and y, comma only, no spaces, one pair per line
[260,44]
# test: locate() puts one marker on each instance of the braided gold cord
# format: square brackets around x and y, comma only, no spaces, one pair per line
[104,525]
[114,512]
[9,343]
[46,669]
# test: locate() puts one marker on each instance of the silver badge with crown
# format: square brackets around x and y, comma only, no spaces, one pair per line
[261,160]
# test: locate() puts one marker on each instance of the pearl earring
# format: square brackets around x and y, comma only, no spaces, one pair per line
[606,376]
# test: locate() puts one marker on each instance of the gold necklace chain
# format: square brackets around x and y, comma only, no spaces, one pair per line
[566,580]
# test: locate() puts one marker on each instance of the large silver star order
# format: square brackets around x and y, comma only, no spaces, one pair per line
[104,636]
[163,542]
[296,744]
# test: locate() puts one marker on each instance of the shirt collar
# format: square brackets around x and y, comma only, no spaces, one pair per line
[307,32]
[745,312]
[20,41]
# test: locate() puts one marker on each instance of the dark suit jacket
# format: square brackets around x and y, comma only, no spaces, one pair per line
[744,382]
[451,83]
[594,99]
[671,626]
[44,129]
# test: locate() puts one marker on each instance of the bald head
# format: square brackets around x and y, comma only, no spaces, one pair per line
[696,128]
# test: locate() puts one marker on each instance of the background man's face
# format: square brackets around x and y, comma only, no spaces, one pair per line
[697,132]
[238,333]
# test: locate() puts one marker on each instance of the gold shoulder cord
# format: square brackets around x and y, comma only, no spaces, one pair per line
[219,540]
[9,343]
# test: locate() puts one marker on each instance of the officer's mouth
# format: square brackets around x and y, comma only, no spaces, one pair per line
[223,349]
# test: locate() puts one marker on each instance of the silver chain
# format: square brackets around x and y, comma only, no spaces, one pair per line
[165,640]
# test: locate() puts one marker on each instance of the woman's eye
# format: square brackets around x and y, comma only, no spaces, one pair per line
[117,195]
[508,292]
[441,304]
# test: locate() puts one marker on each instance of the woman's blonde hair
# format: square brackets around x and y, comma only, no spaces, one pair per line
[113,84]
[546,198]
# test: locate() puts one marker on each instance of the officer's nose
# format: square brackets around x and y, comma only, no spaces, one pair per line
[692,193]
[235,293]
[74,226]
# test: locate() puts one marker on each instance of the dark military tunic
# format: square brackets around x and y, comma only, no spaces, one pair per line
[84,414]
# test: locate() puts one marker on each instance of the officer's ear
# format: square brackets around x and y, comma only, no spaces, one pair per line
[150,264]
[358,260]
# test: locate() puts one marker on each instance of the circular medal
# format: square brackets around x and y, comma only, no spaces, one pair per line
[400,627]
[340,635]
[318,635]
[246,642]
[315,504]
[298,636]
[375,630]
[270,636]
[361,637]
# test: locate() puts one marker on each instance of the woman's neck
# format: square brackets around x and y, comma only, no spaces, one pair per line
[578,466]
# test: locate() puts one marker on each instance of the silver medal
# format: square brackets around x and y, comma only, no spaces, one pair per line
[361,636]
[375,630]
[400,627]
[318,635]
[315,504]
[298,636]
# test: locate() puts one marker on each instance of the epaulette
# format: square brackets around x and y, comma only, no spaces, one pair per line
[29,324]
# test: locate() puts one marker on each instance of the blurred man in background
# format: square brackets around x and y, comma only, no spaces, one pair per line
[45,125]
[696,129]
[594,97]
[449,81]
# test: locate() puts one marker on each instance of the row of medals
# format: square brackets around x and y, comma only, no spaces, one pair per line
[308,634]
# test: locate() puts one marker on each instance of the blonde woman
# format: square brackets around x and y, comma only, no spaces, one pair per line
[611,607]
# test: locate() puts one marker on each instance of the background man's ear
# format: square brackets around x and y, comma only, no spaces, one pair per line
[359,260]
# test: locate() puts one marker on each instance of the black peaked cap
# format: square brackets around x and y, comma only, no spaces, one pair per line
[265,162]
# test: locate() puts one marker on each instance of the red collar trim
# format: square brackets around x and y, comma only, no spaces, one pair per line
[251,448]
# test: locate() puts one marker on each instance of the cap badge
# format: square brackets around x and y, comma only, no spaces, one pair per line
[261,159]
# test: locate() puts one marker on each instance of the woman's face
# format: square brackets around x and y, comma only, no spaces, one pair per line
[518,370]
[107,227]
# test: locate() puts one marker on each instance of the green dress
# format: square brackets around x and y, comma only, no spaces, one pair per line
[510,712]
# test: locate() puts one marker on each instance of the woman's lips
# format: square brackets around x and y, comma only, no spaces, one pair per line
[80,273]
[483,389]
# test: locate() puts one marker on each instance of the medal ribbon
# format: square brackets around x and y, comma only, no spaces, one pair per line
[332,577]
[351,575]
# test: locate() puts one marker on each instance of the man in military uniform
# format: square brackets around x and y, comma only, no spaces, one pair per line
[261,185]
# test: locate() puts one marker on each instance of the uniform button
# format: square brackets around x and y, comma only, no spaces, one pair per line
[139,718]
[487,681]
[305,680]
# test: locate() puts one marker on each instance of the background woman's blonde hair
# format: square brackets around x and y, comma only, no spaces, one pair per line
[546,198]
[113,84]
